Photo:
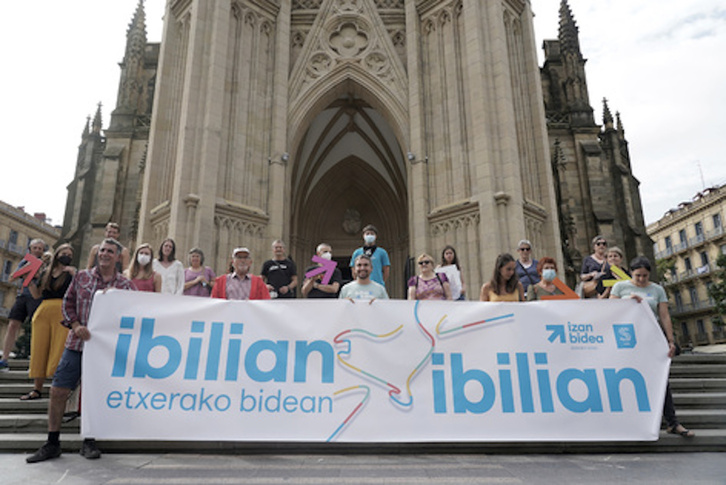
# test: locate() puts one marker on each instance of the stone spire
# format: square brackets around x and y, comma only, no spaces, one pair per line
[86,128]
[607,116]
[133,63]
[620,128]
[569,33]
[136,34]
[97,122]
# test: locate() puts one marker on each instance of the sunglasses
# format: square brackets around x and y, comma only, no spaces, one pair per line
[421,263]
[601,243]
[525,249]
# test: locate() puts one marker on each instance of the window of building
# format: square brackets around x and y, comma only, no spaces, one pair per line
[717,221]
[694,294]
[668,242]
[7,268]
[684,329]
[682,236]
[673,271]
[709,284]
[704,258]
[13,239]
[679,300]
[716,328]
[723,249]
[699,228]
[687,262]
[700,327]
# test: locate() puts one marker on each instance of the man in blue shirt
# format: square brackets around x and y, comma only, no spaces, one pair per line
[379,256]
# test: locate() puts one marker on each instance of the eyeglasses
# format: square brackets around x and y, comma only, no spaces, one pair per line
[524,249]
[601,243]
[421,263]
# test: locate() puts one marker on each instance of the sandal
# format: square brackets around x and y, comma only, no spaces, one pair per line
[70,416]
[31,396]
[684,432]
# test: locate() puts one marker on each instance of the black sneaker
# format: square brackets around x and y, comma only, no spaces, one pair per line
[90,450]
[46,452]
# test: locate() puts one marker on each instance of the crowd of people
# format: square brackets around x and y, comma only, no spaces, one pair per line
[60,293]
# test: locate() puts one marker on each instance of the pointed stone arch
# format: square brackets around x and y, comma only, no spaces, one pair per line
[348,79]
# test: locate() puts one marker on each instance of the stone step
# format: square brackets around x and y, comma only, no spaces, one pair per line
[9,405]
[31,423]
[702,418]
[693,384]
[17,389]
[708,440]
[700,400]
[699,359]
[702,370]
[15,375]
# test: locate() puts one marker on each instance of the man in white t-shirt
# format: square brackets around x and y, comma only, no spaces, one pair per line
[363,288]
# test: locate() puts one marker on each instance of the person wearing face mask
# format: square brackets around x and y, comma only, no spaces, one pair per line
[48,337]
[379,256]
[239,283]
[314,287]
[547,269]
[141,272]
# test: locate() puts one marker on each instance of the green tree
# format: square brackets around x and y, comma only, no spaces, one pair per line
[717,291]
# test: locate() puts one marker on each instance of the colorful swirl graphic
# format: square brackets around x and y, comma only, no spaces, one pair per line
[394,392]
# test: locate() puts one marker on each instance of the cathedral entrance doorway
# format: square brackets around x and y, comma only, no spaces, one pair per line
[349,171]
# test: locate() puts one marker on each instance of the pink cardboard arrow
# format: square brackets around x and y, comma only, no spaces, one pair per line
[327,267]
[31,269]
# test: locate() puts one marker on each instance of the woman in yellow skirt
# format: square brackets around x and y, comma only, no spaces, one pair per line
[48,336]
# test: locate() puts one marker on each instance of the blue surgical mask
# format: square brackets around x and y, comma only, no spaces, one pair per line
[549,274]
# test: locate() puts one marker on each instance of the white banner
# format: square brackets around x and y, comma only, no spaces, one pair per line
[162,367]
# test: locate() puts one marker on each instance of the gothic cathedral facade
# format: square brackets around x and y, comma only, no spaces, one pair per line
[307,119]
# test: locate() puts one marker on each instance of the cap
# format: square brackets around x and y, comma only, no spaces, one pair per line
[240,250]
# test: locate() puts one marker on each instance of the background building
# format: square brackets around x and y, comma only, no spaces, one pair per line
[687,242]
[307,119]
[17,229]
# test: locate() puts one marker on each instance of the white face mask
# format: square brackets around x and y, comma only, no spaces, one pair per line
[143,259]
[327,255]
[549,274]
[369,238]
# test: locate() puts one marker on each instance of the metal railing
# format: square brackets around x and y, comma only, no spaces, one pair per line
[14,248]
[692,307]
[694,241]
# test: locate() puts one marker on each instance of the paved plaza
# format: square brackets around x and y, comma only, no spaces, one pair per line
[120,469]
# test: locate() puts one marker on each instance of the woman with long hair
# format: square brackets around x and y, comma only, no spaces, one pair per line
[450,267]
[640,288]
[141,271]
[48,336]
[504,285]
[170,268]
[428,285]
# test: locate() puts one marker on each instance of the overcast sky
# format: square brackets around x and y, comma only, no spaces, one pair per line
[659,62]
